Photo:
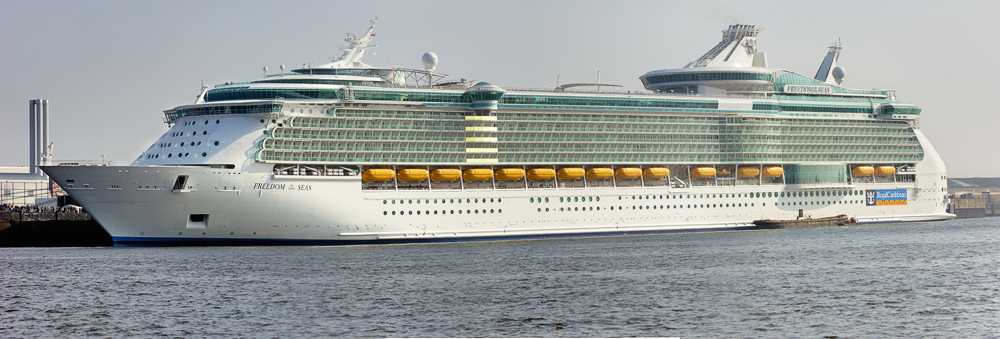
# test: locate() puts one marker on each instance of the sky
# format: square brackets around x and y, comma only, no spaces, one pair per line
[110,68]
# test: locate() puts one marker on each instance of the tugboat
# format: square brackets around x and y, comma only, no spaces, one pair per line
[802,222]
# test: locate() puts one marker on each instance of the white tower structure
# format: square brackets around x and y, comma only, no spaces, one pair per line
[38,135]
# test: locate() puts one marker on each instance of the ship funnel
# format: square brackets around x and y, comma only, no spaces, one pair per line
[828,71]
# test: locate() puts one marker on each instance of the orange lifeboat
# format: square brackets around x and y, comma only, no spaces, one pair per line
[412,174]
[446,174]
[628,173]
[509,174]
[477,174]
[541,174]
[863,171]
[702,172]
[747,172]
[599,173]
[570,173]
[725,171]
[773,171]
[655,172]
[377,174]
[882,171]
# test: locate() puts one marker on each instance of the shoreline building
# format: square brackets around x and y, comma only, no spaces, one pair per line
[29,185]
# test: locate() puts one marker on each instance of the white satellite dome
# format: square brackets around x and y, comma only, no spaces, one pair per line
[838,74]
[430,61]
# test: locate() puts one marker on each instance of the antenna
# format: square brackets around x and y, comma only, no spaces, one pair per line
[282,70]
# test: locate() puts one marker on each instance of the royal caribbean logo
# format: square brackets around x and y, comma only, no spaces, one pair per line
[885,197]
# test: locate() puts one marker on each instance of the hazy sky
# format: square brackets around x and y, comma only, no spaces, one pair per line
[110,68]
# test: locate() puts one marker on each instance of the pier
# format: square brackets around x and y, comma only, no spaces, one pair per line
[51,229]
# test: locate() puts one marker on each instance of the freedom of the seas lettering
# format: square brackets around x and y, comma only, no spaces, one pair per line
[285,187]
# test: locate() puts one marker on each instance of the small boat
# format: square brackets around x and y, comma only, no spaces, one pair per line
[840,220]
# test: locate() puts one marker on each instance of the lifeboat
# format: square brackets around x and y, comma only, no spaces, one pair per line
[412,174]
[628,173]
[477,174]
[446,174]
[569,173]
[748,172]
[882,171]
[863,171]
[599,173]
[509,174]
[702,172]
[377,174]
[655,172]
[541,174]
[773,171]
[725,171]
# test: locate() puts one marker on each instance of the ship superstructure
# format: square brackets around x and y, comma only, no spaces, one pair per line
[349,153]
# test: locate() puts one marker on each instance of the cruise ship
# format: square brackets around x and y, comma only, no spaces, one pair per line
[349,153]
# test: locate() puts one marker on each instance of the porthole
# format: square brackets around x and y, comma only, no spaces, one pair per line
[491,200]
[560,199]
[262,121]
[426,212]
[598,199]
[216,122]
[206,122]
[216,143]
[385,213]
[409,201]
[204,154]
[170,155]
[562,209]
[182,144]
[576,199]
[204,132]
[411,212]
[452,212]
[468,212]
[539,209]
[452,201]
[468,201]
[546,199]
[491,211]
[591,199]
[499,210]
[393,212]
[499,200]
[532,200]
[546,209]
[427,201]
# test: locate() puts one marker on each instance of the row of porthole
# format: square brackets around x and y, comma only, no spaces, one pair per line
[443,212]
[184,155]
[648,207]
[191,123]
[292,110]
[442,201]
[193,133]
[567,199]
[751,195]
[193,143]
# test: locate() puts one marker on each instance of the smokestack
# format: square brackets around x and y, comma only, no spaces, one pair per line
[31,135]
[38,133]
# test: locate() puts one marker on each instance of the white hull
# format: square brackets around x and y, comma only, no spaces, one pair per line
[256,207]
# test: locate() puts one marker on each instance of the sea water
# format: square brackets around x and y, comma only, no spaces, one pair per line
[905,280]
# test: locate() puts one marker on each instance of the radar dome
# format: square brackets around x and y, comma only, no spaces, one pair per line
[838,74]
[430,61]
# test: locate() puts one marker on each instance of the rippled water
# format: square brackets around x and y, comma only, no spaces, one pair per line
[909,280]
